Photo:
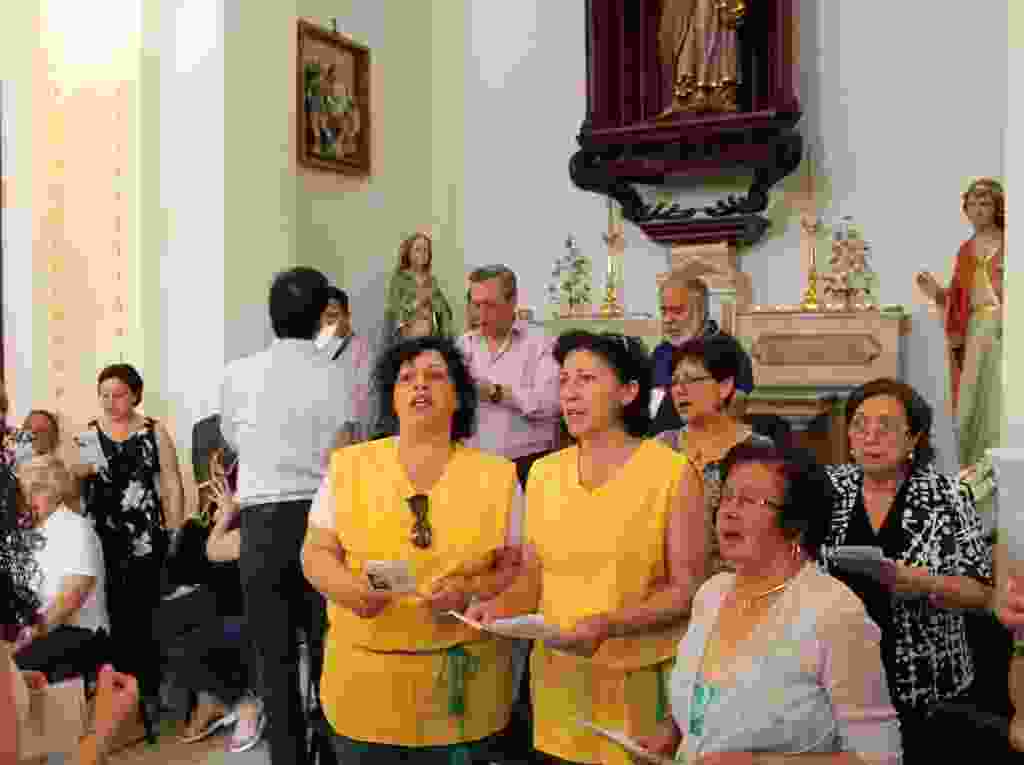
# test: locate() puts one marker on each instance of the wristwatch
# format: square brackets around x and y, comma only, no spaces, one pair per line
[495,394]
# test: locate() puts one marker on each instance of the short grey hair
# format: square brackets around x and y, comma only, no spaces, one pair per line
[47,475]
[498,271]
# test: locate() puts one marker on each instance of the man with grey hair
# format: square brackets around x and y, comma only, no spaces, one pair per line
[683,300]
[516,374]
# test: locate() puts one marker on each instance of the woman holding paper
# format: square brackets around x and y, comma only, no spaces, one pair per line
[429,519]
[780,661]
[616,546]
[935,565]
[133,494]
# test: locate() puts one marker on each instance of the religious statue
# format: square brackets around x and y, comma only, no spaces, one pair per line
[972,309]
[697,44]
[850,278]
[416,305]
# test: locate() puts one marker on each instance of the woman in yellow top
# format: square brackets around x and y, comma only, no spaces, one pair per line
[402,680]
[615,546]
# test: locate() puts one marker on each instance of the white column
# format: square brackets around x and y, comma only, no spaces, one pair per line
[1013,175]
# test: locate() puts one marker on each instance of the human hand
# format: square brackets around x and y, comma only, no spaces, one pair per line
[117,695]
[35,681]
[664,744]
[586,637]
[1009,605]
[372,602]
[28,635]
[448,594]
[484,390]
[485,612]
[82,471]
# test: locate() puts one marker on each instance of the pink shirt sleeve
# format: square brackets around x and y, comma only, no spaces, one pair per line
[850,669]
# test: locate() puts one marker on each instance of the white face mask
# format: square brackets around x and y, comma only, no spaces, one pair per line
[325,335]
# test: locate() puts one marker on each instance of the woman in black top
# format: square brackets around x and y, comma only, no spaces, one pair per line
[926,524]
[133,501]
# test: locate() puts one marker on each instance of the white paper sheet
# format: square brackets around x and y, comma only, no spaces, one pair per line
[391,575]
[90,451]
[1008,466]
[528,627]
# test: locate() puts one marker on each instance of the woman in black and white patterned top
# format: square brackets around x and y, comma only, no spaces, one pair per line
[926,524]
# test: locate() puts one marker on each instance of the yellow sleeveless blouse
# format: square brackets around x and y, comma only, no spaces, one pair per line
[600,550]
[386,679]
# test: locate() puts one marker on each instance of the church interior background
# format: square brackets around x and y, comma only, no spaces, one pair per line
[152,186]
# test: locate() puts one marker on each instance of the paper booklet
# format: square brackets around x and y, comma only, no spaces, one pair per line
[629,745]
[90,451]
[391,575]
[529,627]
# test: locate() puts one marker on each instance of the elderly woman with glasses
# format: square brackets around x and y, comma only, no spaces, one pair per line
[780,661]
[402,679]
[615,548]
[936,561]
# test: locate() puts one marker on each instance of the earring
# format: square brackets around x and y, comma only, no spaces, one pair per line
[910,456]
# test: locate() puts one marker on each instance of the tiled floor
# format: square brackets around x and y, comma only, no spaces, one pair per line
[168,750]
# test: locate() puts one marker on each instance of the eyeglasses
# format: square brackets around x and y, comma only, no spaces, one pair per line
[683,381]
[884,426]
[422,533]
[743,502]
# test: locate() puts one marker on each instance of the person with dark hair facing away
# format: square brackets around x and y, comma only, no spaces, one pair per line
[404,681]
[283,409]
[781,662]
[134,500]
[615,546]
[939,565]
[704,376]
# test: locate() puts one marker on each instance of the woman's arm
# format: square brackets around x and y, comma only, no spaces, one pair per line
[850,670]
[172,493]
[8,709]
[224,546]
[969,587]
[323,562]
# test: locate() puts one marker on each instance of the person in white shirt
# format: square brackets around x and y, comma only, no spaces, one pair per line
[70,632]
[283,410]
[339,342]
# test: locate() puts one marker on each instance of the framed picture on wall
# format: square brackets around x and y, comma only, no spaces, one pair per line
[333,101]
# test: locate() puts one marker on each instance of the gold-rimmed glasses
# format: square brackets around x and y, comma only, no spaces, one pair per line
[422,533]
[885,427]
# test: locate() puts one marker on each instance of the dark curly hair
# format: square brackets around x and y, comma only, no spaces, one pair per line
[18,568]
[628,358]
[806,511]
[386,375]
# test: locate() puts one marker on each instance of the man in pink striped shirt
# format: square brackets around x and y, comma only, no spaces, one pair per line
[516,374]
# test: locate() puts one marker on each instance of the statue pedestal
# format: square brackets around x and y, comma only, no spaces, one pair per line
[806,363]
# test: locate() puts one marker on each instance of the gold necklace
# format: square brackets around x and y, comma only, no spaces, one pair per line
[747,603]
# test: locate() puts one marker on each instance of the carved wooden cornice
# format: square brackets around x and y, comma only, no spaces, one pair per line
[621,144]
